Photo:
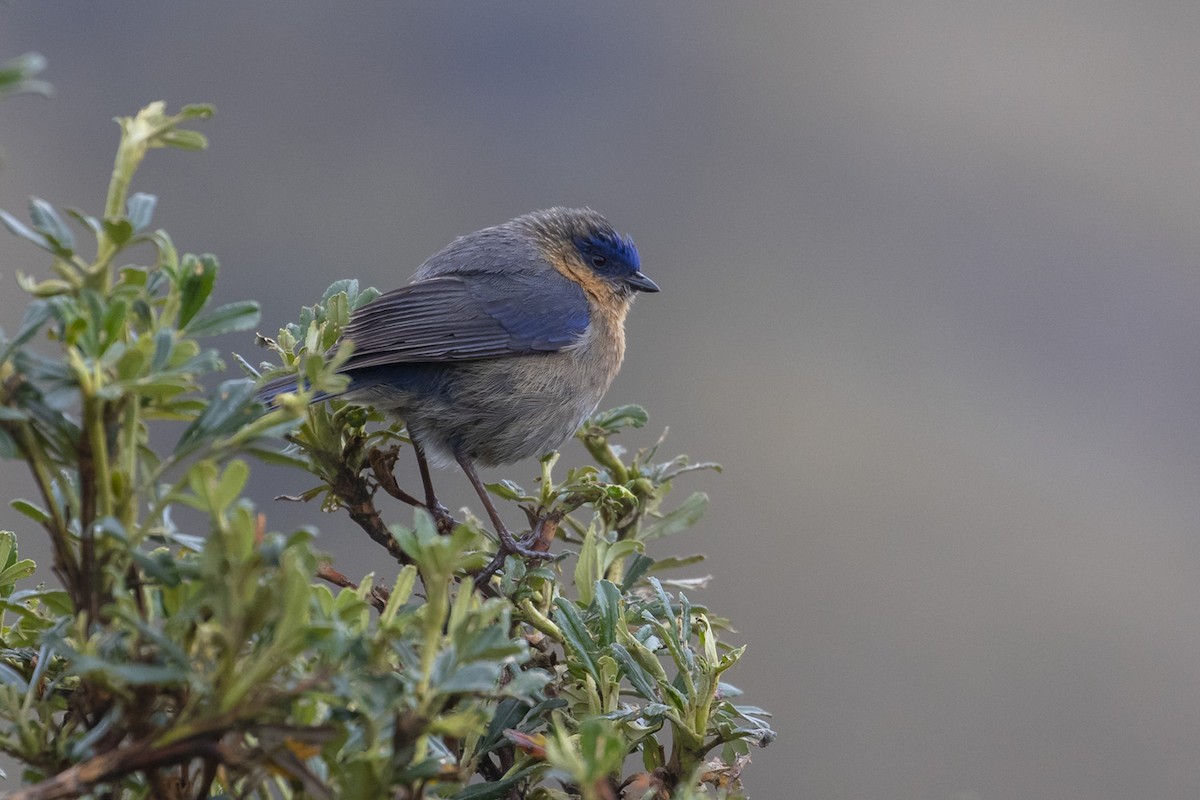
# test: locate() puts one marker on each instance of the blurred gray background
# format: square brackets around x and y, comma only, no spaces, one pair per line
[930,294]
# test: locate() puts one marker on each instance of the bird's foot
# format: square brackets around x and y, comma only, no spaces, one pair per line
[442,517]
[511,546]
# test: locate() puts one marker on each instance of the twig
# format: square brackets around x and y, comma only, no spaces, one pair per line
[546,529]
[383,462]
[132,758]
[65,565]
[378,596]
[352,489]
[331,575]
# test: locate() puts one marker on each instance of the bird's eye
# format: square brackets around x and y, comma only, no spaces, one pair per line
[599,261]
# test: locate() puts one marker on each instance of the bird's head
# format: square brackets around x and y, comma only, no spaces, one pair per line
[584,246]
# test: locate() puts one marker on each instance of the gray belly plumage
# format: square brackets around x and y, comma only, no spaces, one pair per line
[494,411]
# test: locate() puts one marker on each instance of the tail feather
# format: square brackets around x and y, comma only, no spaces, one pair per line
[419,379]
[276,386]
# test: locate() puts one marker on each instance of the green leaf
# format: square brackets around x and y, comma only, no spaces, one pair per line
[231,407]
[35,513]
[641,681]
[167,263]
[237,316]
[277,457]
[613,420]
[675,562]
[10,677]
[19,570]
[158,566]
[35,317]
[57,601]
[86,220]
[471,678]
[184,140]
[164,345]
[509,713]
[636,569]
[608,606]
[618,551]
[337,315]
[48,222]
[16,75]
[365,296]
[685,516]
[507,490]
[17,228]
[139,210]
[12,569]
[196,279]
[8,548]
[347,286]
[119,230]
[459,724]
[527,683]
[496,790]
[8,414]
[587,565]
[602,748]
[422,770]
[128,674]
[229,486]
[578,640]
[83,748]
[196,111]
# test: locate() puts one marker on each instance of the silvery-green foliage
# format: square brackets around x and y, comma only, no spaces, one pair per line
[215,658]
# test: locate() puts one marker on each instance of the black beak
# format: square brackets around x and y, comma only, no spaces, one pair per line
[640,283]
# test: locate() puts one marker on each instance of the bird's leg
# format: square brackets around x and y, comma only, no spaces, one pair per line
[441,515]
[508,543]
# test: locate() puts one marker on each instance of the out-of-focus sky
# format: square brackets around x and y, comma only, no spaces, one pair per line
[931,293]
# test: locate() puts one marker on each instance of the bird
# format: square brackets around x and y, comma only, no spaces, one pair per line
[501,345]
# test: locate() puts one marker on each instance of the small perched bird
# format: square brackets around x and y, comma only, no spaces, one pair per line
[501,345]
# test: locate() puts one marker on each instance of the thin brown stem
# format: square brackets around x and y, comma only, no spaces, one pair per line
[382,464]
[378,596]
[114,764]
[65,564]
[87,515]
[331,575]
[358,498]
[207,777]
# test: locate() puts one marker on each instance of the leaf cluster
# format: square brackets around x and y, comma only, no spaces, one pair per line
[218,657]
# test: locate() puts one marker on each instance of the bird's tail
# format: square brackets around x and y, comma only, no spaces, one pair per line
[267,393]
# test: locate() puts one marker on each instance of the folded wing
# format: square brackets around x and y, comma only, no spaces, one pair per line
[467,316]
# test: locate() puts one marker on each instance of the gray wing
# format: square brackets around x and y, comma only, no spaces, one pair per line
[467,316]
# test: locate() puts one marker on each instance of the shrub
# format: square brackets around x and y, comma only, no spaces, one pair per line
[223,658]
